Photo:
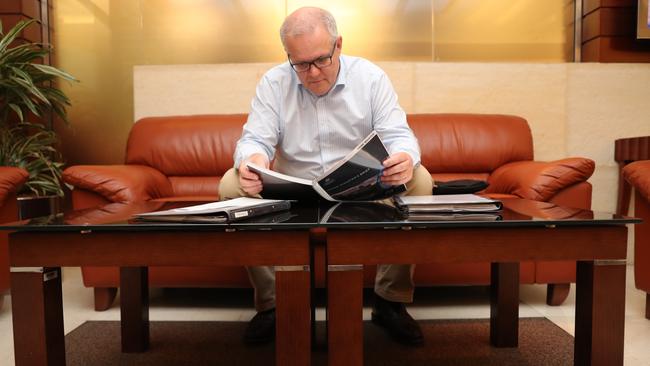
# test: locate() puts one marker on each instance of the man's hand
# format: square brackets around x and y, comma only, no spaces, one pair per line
[398,169]
[250,182]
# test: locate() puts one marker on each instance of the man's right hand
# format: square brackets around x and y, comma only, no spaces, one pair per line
[250,182]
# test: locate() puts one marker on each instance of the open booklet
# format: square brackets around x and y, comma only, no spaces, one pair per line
[356,177]
[450,203]
[218,212]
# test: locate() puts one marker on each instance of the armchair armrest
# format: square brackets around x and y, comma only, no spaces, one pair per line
[537,180]
[11,178]
[120,183]
[638,174]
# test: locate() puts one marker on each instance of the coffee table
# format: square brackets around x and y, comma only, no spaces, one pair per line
[106,236]
[524,231]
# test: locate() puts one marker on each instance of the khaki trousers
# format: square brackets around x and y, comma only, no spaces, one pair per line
[394,282]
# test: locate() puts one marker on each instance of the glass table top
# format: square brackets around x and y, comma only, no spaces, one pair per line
[346,215]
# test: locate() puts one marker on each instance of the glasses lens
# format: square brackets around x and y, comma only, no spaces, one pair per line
[323,62]
[303,66]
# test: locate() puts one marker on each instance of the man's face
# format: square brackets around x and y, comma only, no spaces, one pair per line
[311,47]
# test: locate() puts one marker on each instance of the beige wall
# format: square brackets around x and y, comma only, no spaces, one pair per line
[573,109]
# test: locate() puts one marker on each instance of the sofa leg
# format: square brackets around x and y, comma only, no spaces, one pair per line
[104,297]
[2,301]
[556,293]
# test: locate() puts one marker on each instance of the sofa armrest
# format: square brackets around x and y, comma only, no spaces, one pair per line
[11,179]
[537,180]
[120,183]
[638,175]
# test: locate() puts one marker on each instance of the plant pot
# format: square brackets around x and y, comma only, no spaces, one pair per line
[36,206]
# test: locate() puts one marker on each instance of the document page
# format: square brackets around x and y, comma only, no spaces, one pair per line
[213,207]
[357,177]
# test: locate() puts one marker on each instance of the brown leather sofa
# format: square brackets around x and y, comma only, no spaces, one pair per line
[183,158]
[638,175]
[11,179]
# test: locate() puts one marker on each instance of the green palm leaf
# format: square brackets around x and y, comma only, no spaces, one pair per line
[27,87]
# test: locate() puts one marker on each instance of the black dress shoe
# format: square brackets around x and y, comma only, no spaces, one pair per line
[396,320]
[261,329]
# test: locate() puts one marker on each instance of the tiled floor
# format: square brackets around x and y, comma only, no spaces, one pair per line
[435,303]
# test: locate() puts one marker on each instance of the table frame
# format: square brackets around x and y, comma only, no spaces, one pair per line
[599,250]
[37,307]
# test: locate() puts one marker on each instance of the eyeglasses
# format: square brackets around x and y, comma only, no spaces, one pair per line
[319,63]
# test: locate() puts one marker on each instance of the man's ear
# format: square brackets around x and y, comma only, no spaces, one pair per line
[339,42]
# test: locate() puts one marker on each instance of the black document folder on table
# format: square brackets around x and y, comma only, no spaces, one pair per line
[218,212]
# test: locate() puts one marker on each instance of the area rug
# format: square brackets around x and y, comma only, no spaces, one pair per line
[447,342]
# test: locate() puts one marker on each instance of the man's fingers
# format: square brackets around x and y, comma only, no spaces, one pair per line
[397,179]
[248,175]
[392,160]
[396,169]
[251,186]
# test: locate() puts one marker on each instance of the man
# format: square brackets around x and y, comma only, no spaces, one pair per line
[307,114]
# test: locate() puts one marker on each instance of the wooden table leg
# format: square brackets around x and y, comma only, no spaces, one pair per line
[37,312]
[293,315]
[600,312]
[504,304]
[134,309]
[345,315]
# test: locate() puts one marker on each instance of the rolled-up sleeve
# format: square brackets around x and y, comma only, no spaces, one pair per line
[389,120]
[261,131]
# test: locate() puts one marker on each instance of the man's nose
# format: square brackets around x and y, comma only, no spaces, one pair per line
[313,70]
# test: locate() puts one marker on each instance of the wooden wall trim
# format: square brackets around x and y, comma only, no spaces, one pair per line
[609,22]
[609,32]
[590,5]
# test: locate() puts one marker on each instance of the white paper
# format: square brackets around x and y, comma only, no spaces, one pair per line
[444,199]
[212,207]
[289,178]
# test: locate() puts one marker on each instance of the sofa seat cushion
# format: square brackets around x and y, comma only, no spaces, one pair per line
[638,175]
[195,186]
[446,177]
[198,199]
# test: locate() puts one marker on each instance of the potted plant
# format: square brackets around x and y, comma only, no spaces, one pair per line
[27,95]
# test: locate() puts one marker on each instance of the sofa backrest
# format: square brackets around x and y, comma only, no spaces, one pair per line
[201,145]
[471,143]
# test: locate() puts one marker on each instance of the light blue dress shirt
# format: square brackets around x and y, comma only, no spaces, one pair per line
[307,134]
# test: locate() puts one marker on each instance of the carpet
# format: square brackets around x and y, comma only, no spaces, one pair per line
[447,342]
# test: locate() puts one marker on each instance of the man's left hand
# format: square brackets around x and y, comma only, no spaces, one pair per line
[398,169]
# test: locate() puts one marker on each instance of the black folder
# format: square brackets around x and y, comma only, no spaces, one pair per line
[218,212]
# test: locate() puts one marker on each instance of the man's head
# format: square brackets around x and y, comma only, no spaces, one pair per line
[311,40]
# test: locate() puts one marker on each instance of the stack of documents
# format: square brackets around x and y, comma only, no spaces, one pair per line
[449,207]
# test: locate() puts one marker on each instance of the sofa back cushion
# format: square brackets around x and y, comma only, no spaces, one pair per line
[471,143]
[185,145]
[203,145]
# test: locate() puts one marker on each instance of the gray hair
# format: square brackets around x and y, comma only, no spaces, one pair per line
[305,20]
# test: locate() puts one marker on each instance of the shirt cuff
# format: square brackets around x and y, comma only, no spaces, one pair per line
[244,151]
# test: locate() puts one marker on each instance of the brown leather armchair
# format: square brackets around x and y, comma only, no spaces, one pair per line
[183,158]
[11,179]
[638,175]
